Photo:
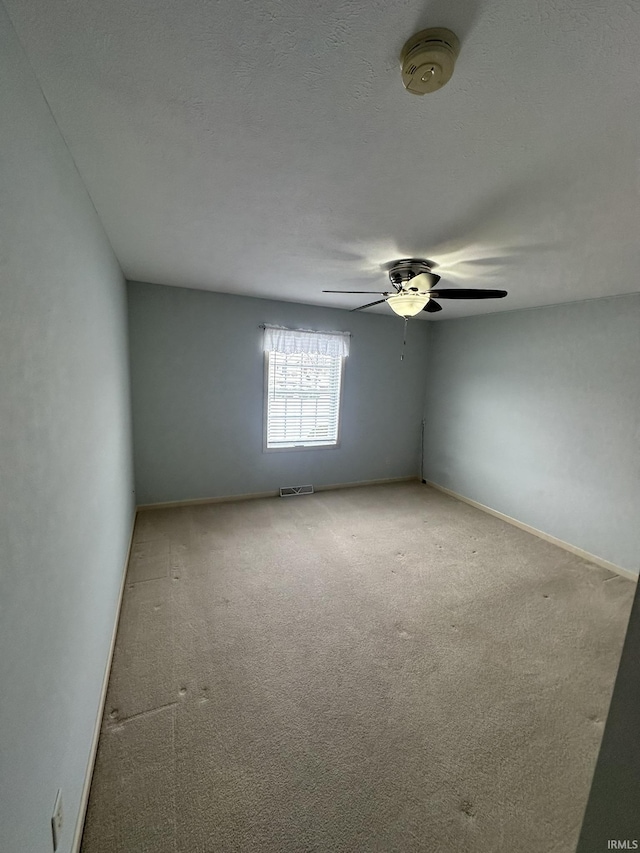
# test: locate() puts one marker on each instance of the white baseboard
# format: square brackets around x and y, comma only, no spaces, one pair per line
[579,552]
[84,797]
[388,482]
[273,494]
[198,501]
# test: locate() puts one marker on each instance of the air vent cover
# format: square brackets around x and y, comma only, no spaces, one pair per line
[289,491]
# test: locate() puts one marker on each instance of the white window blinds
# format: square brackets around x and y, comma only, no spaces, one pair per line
[304,378]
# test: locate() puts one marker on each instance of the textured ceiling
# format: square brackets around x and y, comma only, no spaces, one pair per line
[269,148]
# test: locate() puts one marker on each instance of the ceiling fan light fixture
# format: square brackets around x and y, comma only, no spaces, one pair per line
[414,283]
[408,304]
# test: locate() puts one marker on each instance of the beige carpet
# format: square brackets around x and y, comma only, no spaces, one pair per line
[369,670]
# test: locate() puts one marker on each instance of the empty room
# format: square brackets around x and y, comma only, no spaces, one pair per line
[319,426]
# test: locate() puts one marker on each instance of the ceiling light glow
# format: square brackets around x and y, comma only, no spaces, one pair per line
[408,304]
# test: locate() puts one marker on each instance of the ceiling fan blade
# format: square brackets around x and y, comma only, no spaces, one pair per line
[360,307]
[423,281]
[432,307]
[380,292]
[467,293]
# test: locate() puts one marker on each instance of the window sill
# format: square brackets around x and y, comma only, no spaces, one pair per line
[300,447]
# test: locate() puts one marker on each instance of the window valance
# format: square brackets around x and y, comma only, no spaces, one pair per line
[290,341]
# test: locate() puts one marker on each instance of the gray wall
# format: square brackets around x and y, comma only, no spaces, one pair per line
[197,380]
[612,810]
[537,414]
[65,462]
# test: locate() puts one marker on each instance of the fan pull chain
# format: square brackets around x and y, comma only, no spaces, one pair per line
[404,340]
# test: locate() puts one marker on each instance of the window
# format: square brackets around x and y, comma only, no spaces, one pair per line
[302,388]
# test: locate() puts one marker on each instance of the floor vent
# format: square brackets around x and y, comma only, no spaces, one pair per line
[287,491]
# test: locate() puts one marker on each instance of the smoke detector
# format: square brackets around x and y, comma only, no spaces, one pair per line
[428,59]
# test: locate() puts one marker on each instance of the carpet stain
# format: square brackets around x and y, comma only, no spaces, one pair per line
[467,807]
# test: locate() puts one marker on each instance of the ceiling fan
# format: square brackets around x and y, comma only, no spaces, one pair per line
[415,289]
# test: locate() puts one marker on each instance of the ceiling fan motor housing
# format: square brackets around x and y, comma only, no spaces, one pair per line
[401,272]
[428,59]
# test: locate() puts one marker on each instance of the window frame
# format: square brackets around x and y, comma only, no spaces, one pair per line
[265,414]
